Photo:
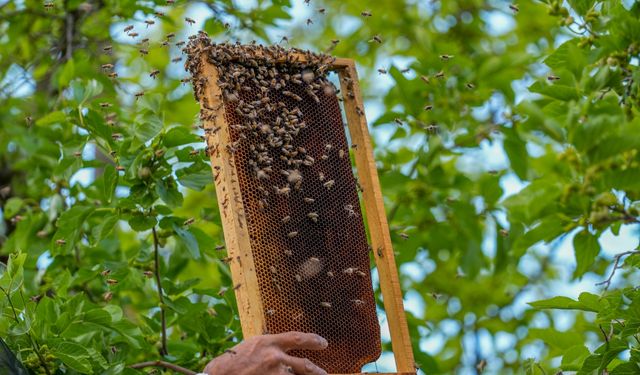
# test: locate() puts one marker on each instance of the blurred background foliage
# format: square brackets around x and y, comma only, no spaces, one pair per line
[507,139]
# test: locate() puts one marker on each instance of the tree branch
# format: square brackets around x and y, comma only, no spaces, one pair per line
[164,364]
[616,266]
[163,319]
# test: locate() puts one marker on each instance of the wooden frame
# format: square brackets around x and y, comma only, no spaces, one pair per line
[235,226]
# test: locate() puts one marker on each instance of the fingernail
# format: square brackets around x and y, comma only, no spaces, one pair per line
[323,342]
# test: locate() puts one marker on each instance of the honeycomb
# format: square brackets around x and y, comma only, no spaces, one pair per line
[300,196]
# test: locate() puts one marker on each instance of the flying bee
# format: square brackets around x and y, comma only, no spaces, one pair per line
[446,57]
[107,296]
[313,216]
[158,14]
[440,74]
[180,43]
[107,66]
[143,41]
[376,38]
[382,71]
[432,128]
[48,6]
[133,35]
[403,235]
[309,21]
[171,35]
[194,152]
[77,154]
[154,73]
[176,59]
[185,80]
[398,121]
[128,28]
[107,49]
[148,274]
[149,22]
[470,86]
[425,79]
[105,105]
[105,272]
[321,10]
[405,70]
[139,94]
[366,13]
[116,136]
[329,184]
[326,304]
[428,107]
[171,2]
[552,78]
[190,21]
[113,75]
[189,221]
[112,281]
[292,234]
[514,8]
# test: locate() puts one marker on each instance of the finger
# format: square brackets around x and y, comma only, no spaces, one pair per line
[303,366]
[298,340]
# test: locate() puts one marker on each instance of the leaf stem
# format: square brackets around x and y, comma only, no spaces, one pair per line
[164,364]
[163,319]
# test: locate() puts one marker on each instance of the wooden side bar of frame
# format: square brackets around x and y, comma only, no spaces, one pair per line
[235,227]
[376,216]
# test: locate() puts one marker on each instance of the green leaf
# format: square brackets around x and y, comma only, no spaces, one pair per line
[147,128]
[69,228]
[627,368]
[189,241]
[179,136]
[12,207]
[581,6]
[110,180]
[586,248]
[556,91]
[140,222]
[12,277]
[73,355]
[52,118]
[586,302]
[168,192]
[105,227]
[196,177]
[516,149]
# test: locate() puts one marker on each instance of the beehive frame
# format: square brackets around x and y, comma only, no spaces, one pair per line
[251,309]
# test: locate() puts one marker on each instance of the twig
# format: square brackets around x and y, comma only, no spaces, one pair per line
[164,364]
[616,266]
[163,319]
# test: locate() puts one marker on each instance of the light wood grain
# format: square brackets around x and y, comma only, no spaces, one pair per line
[376,218]
[234,222]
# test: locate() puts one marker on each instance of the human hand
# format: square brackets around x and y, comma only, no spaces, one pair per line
[267,355]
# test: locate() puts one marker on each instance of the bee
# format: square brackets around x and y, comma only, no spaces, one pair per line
[105,272]
[553,78]
[376,38]
[326,304]
[440,74]
[139,94]
[154,73]
[190,21]
[185,80]
[321,10]
[504,233]
[128,28]
[298,278]
[282,191]
[329,184]
[107,296]
[143,51]
[273,270]
[321,176]
[105,105]
[171,35]
[116,136]
[309,21]
[220,247]
[48,6]
[341,154]
[189,221]
[330,274]
[405,70]
[446,57]
[398,121]
[107,49]
[148,274]
[425,79]
[309,200]
[107,66]
[120,168]
[361,274]
[357,302]
[470,86]
[428,107]
[237,286]
[194,152]
[292,234]
[113,154]
[481,365]
[286,219]
[514,8]
[366,13]
[149,22]
[269,312]
[313,216]
[145,40]
[180,43]
[382,71]
[403,235]
[133,35]
[158,14]
[432,128]
[113,75]
[349,270]
[36,298]
[112,281]
[171,2]
[77,154]
[165,43]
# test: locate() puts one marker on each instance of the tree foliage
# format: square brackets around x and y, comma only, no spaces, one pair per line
[111,234]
